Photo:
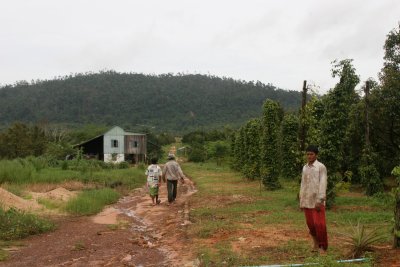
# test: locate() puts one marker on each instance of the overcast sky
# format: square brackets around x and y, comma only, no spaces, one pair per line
[279,42]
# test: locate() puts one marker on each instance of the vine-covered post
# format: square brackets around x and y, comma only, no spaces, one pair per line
[369,174]
[269,145]
[302,117]
[291,162]
[335,122]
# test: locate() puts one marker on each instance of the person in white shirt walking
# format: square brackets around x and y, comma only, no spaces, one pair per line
[312,198]
[154,175]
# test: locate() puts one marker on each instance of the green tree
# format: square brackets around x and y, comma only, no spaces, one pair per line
[21,141]
[270,160]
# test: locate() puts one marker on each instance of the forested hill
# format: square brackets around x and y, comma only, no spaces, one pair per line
[168,102]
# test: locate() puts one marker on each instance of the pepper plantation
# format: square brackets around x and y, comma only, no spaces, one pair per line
[356,126]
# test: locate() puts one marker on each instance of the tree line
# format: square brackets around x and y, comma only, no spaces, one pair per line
[55,142]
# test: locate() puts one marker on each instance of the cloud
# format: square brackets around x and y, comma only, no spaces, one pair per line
[279,42]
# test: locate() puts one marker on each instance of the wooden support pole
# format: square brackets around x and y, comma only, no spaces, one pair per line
[366,91]
[302,117]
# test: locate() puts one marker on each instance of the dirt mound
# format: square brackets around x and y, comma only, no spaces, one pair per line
[9,200]
[60,193]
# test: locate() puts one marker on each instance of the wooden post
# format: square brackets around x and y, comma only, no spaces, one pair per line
[302,117]
[366,90]
[396,241]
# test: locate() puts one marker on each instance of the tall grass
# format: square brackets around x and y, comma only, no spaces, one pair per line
[16,224]
[91,201]
[16,171]
[38,170]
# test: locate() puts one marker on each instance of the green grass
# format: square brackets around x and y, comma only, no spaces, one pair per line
[19,172]
[16,224]
[224,217]
[3,255]
[91,201]
[51,204]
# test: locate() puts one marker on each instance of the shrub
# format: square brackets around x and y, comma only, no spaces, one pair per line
[197,154]
[16,224]
[123,165]
[360,240]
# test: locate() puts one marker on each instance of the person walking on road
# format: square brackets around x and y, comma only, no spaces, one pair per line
[154,174]
[172,172]
[312,198]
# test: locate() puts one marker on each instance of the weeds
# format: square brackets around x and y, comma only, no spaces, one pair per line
[50,204]
[91,201]
[360,240]
[15,224]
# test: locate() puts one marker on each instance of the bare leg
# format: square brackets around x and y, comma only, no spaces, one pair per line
[316,244]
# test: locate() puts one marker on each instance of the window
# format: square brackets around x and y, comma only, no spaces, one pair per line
[134,144]
[114,143]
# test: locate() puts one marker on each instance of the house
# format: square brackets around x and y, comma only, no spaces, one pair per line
[116,146]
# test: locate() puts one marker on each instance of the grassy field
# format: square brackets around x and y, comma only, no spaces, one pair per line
[240,223]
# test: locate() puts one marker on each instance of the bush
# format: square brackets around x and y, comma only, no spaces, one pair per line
[197,154]
[91,201]
[123,165]
[370,179]
[15,224]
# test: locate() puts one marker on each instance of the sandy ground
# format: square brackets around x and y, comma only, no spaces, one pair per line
[132,232]
[9,200]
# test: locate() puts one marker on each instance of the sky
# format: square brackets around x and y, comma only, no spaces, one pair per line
[281,42]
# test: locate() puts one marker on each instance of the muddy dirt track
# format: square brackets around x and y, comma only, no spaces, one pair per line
[132,232]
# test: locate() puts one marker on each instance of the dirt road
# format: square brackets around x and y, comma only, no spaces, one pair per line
[132,232]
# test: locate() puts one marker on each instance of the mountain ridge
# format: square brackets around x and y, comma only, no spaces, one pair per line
[170,102]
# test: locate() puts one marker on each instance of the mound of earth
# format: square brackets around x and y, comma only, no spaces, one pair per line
[9,200]
[60,193]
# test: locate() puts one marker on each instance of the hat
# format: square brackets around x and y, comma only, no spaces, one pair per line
[171,156]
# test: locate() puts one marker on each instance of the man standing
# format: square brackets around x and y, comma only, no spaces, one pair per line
[173,172]
[312,198]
